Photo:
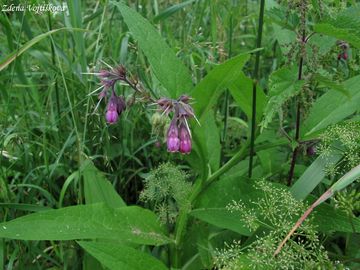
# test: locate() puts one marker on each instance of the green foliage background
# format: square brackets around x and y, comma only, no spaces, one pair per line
[71,185]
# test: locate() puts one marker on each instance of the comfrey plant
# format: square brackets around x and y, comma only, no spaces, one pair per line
[116,104]
[178,138]
[179,134]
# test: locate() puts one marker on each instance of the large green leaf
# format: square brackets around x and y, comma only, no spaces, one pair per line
[333,85]
[313,175]
[206,94]
[222,218]
[272,160]
[120,257]
[345,26]
[207,143]
[212,207]
[97,188]
[209,89]
[129,224]
[326,219]
[173,75]
[332,107]
[283,85]
[241,90]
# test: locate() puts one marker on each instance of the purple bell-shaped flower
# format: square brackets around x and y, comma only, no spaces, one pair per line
[172,140]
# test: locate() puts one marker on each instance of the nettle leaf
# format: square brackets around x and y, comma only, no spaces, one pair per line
[345,26]
[332,107]
[284,36]
[169,70]
[120,257]
[283,85]
[128,224]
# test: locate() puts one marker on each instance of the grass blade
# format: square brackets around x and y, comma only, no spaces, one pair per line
[10,58]
[343,182]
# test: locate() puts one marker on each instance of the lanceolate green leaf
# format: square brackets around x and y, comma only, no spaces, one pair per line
[332,107]
[333,85]
[97,188]
[347,179]
[167,67]
[241,90]
[128,224]
[313,175]
[222,218]
[207,92]
[345,26]
[120,257]
[207,144]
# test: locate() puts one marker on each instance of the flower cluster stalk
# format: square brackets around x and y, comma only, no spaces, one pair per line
[256,78]
[298,106]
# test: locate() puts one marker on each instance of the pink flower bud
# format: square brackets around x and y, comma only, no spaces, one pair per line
[343,55]
[157,144]
[172,141]
[185,139]
[104,74]
[114,108]
[111,116]
[311,150]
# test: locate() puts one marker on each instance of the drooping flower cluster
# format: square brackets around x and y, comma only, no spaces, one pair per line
[178,137]
[343,55]
[116,104]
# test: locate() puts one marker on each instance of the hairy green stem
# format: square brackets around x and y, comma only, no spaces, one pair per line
[227,96]
[256,78]
[199,187]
